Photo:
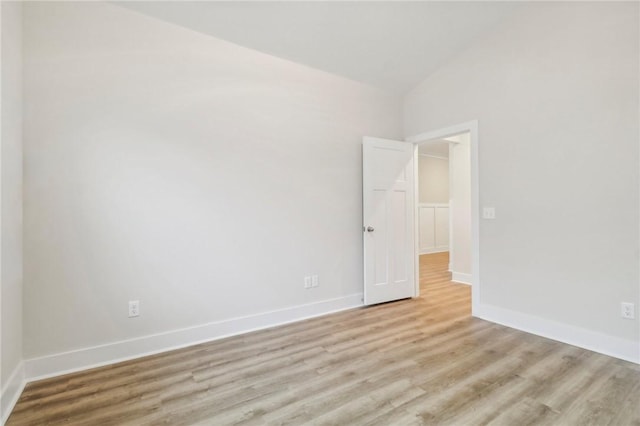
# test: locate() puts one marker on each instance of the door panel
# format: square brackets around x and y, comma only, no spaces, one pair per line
[398,252]
[388,206]
[379,243]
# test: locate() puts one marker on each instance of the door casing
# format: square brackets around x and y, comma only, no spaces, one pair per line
[416,140]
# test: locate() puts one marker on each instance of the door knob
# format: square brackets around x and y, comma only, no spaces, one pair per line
[370,229]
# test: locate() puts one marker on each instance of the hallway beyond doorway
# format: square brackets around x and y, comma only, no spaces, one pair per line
[435,275]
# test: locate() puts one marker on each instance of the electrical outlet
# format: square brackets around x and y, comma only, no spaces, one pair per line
[307,282]
[314,281]
[628,310]
[134,308]
[488,212]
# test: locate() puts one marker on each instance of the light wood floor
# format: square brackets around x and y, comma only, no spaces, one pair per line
[420,361]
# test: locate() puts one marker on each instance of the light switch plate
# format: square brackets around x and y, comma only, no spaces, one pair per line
[134,308]
[628,310]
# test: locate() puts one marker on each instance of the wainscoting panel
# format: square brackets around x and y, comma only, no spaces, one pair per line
[434,227]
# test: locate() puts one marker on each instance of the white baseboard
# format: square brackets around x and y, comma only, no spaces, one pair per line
[628,350]
[11,391]
[97,356]
[434,250]
[461,278]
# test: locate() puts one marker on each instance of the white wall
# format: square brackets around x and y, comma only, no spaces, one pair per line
[551,90]
[460,207]
[433,178]
[11,176]
[199,177]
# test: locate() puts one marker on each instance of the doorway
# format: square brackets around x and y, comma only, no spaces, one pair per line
[433,235]
[447,237]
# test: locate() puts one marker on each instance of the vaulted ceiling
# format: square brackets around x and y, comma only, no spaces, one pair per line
[390,45]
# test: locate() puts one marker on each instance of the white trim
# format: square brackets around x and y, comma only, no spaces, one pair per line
[435,250]
[452,253]
[416,222]
[11,392]
[628,350]
[97,356]
[436,205]
[444,133]
[475,218]
[461,278]
[439,157]
[451,208]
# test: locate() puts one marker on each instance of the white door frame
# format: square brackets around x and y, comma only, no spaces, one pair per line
[472,128]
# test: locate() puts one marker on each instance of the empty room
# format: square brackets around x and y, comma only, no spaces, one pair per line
[328,212]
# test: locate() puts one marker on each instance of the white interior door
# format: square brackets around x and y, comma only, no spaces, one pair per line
[388,215]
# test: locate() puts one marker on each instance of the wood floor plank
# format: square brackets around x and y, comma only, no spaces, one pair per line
[412,362]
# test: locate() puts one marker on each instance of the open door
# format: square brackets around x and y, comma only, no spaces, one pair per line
[388,220]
